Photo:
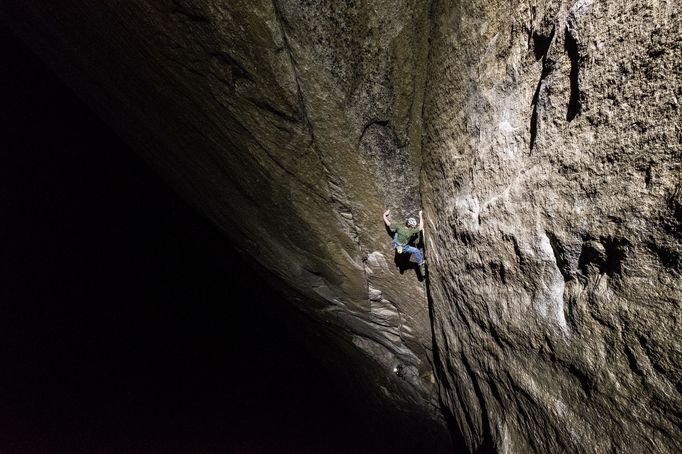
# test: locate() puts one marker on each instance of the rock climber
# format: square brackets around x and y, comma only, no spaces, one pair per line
[404,235]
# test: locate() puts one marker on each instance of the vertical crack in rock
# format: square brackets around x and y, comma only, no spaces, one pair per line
[335,189]
[574,100]
[281,22]
[486,441]
[576,53]
[337,195]
[440,364]
[541,48]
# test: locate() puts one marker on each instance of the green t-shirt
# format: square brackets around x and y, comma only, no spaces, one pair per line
[405,234]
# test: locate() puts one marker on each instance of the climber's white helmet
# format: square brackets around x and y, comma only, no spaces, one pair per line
[412,223]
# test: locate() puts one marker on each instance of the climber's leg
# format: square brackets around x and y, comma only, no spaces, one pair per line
[397,246]
[417,253]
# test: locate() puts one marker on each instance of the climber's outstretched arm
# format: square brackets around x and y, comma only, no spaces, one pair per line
[387,219]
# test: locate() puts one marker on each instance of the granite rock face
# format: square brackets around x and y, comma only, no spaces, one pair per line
[542,138]
[552,178]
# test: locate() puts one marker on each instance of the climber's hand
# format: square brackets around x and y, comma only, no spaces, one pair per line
[387,213]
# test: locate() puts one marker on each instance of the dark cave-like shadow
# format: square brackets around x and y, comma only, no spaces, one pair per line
[403,262]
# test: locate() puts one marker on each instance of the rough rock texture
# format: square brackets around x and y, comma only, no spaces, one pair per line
[542,137]
[553,161]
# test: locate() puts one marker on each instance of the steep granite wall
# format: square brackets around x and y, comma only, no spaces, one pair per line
[542,138]
[552,162]
[293,125]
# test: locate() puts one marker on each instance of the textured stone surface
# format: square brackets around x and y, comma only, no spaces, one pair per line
[552,180]
[543,139]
